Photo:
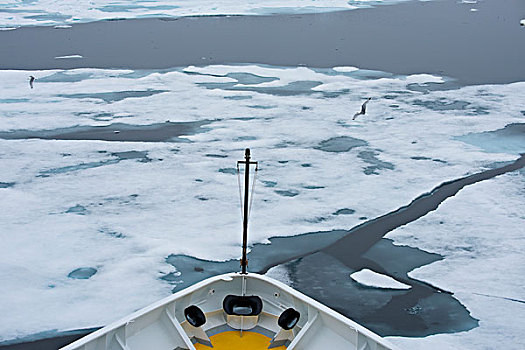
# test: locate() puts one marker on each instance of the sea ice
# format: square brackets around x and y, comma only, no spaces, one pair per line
[68,57]
[179,202]
[345,69]
[423,79]
[480,234]
[66,12]
[280,273]
[374,279]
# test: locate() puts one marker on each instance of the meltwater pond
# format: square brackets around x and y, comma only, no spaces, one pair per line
[113,158]
[82,273]
[510,139]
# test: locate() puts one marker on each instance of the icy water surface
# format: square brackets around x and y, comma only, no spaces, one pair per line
[168,131]
[47,12]
[144,212]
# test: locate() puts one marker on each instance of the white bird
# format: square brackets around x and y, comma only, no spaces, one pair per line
[522,22]
[31,81]
[363,109]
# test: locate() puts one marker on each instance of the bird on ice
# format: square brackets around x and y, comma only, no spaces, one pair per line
[363,109]
[31,81]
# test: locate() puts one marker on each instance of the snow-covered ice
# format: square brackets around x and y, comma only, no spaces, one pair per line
[345,69]
[480,233]
[373,279]
[51,12]
[78,204]
[68,57]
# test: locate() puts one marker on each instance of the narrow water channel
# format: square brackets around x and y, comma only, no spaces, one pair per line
[319,264]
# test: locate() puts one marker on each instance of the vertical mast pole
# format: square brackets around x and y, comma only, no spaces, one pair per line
[244,261]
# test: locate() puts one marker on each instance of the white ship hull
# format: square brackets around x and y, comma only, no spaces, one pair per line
[164,325]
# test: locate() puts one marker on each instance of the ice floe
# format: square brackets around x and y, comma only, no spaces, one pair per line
[423,78]
[345,69]
[373,279]
[68,57]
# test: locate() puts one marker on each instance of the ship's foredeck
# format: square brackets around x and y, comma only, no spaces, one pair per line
[211,313]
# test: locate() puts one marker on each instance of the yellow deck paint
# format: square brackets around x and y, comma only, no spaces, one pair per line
[232,340]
